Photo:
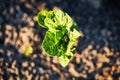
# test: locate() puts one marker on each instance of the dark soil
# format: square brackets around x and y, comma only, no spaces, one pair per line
[98,52]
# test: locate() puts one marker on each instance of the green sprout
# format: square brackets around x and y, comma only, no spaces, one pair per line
[61,35]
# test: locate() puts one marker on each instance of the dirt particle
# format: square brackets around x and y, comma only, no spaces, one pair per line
[32,64]
[25,64]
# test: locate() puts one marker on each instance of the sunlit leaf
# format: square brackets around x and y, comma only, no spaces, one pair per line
[61,35]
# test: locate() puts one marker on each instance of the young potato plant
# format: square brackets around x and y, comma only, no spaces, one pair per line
[61,35]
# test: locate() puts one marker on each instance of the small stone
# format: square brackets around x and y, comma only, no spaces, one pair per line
[1,34]
[29,77]
[90,46]
[119,78]
[11,70]
[11,78]
[42,78]
[109,78]
[42,6]
[118,69]
[93,52]
[106,49]
[77,60]
[97,46]
[90,64]
[17,78]
[55,60]
[25,64]
[9,53]
[18,7]
[32,64]
[27,5]
[36,38]
[1,62]
[41,70]
[35,18]
[1,78]
[8,27]
[73,71]
[13,64]
[34,71]
[48,58]
[1,72]
[117,53]
[16,71]
[106,71]
[6,64]
[1,51]
[34,55]
[25,38]
[26,73]
[84,75]
[30,68]
[99,77]
[37,77]
[102,58]
[118,61]
[86,68]
[47,76]
[31,23]
[99,65]
[24,16]
[113,68]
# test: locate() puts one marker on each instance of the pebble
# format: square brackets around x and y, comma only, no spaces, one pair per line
[106,71]
[109,78]
[55,60]
[29,68]
[41,70]
[8,27]
[25,64]
[11,78]
[1,78]
[37,77]
[34,71]
[27,5]
[99,65]
[35,18]
[73,71]
[48,58]
[32,64]
[103,58]
[14,64]
[1,72]
[1,34]
[34,56]
[118,61]
[31,23]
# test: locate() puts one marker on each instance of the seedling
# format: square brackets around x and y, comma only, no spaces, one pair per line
[61,35]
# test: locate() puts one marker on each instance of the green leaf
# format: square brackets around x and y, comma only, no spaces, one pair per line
[41,17]
[59,18]
[52,43]
[50,23]
[69,21]
[61,35]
